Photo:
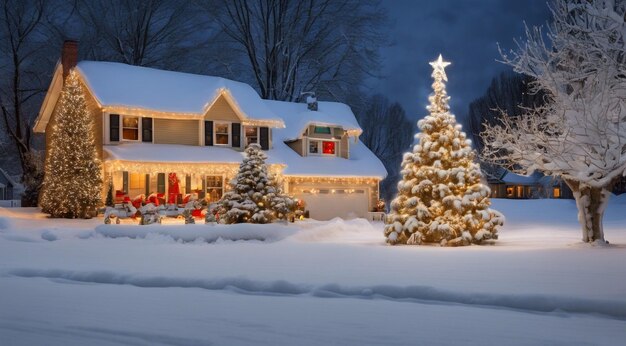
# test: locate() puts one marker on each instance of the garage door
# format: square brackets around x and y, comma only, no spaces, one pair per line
[326,204]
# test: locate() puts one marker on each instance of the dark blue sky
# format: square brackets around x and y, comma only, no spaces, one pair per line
[465,32]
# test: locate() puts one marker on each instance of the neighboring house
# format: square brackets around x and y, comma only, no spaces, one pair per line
[536,185]
[10,190]
[156,128]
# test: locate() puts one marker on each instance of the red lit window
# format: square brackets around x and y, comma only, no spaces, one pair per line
[328,148]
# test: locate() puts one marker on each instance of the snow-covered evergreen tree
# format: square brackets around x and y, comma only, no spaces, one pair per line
[255,196]
[441,198]
[72,183]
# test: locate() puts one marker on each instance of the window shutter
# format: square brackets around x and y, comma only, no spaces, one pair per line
[265,138]
[146,130]
[161,183]
[203,192]
[147,185]
[188,183]
[236,135]
[125,182]
[114,127]
[208,133]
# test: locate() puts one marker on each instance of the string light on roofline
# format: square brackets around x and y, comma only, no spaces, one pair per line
[152,113]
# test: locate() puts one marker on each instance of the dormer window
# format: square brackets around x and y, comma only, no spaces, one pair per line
[314,147]
[325,130]
[322,147]
[328,148]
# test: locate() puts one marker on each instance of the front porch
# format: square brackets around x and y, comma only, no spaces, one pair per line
[168,187]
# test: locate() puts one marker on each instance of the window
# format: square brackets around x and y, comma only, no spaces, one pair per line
[556,192]
[214,188]
[328,148]
[322,129]
[319,147]
[251,135]
[130,128]
[509,191]
[137,181]
[222,136]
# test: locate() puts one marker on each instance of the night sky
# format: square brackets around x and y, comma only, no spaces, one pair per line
[465,32]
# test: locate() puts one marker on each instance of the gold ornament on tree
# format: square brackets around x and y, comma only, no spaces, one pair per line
[441,198]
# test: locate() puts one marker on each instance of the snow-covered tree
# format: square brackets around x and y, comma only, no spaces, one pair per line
[72,183]
[441,198]
[254,196]
[579,135]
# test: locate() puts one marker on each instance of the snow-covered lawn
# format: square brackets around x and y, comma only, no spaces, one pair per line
[78,282]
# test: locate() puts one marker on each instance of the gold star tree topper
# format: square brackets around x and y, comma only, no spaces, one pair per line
[440,65]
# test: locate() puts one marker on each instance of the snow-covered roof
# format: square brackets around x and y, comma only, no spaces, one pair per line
[147,152]
[298,117]
[362,162]
[517,179]
[121,85]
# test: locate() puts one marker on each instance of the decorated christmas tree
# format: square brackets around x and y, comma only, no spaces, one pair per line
[441,198]
[72,183]
[254,197]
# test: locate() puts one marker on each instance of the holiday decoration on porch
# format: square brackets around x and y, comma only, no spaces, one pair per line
[174,188]
[109,202]
[441,198]
[72,184]
[255,196]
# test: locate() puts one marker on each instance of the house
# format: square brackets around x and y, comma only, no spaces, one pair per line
[157,128]
[10,190]
[536,185]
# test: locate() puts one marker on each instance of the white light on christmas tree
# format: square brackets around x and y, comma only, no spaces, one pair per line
[441,198]
[256,195]
[72,184]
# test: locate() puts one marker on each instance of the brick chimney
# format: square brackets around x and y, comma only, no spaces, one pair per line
[311,100]
[69,56]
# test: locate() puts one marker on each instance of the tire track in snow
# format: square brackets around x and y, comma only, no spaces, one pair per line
[536,303]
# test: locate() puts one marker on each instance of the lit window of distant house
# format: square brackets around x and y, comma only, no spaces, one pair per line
[251,135]
[328,148]
[322,130]
[214,188]
[222,134]
[556,192]
[130,128]
[509,191]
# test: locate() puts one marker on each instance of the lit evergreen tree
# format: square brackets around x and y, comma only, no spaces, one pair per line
[441,198]
[109,200]
[72,184]
[255,196]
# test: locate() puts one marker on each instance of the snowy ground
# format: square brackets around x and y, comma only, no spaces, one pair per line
[77,282]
